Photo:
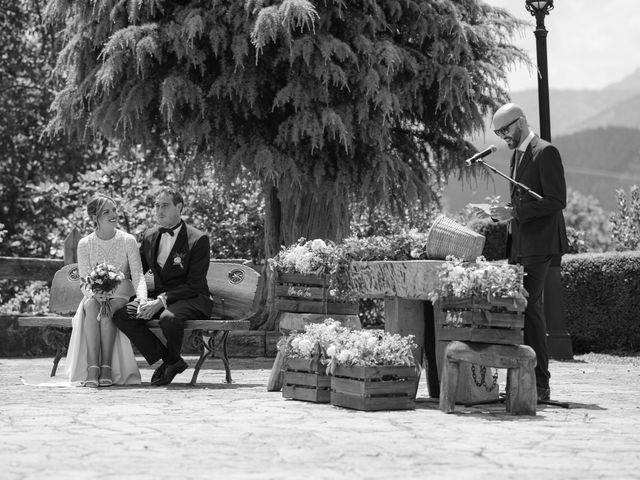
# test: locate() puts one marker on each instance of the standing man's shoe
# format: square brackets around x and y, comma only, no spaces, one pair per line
[544,394]
[170,372]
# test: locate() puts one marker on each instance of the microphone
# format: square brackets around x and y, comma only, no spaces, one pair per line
[470,161]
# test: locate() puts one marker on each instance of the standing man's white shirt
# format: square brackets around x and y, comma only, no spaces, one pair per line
[523,148]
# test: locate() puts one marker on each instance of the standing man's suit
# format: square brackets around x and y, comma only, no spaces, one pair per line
[537,237]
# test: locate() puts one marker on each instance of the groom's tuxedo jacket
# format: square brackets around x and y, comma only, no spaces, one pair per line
[538,227]
[184,275]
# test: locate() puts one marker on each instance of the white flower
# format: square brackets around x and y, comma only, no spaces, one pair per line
[318,244]
[344,356]
[305,346]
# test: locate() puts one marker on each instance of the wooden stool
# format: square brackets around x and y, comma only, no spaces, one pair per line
[519,360]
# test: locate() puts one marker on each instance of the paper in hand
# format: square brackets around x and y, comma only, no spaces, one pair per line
[484,207]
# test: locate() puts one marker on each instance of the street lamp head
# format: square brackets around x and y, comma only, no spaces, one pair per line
[539,7]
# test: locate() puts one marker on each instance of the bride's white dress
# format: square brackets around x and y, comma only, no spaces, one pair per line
[122,252]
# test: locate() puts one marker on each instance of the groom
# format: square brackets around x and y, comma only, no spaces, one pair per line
[178,257]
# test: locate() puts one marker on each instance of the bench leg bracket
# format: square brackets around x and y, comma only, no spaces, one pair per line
[207,341]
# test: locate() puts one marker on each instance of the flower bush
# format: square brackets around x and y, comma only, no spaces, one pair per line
[479,278]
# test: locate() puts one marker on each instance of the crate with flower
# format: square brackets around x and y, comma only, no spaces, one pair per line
[304,376]
[306,279]
[481,302]
[373,370]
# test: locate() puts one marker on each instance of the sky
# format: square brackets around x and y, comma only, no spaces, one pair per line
[590,43]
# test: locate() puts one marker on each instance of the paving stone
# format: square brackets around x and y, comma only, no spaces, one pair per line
[215,430]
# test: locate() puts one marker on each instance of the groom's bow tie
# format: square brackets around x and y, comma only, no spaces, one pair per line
[170,231]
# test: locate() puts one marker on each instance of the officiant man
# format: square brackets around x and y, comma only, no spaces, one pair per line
[536,230]
[176,256]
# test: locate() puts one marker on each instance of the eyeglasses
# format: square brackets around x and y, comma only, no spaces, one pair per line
[501,132]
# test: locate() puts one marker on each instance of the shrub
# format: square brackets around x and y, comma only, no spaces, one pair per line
[603,301]
[584,214]
[625,222]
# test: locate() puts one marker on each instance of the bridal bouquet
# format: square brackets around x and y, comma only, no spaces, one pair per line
[103,278]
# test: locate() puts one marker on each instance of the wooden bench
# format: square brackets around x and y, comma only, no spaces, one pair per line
[235,289]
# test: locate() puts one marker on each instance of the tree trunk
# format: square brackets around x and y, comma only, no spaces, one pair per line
[314,211]
[297,210]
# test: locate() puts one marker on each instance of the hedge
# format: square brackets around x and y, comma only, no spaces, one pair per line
[602,292]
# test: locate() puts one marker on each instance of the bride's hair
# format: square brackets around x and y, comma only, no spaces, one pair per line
[96,205]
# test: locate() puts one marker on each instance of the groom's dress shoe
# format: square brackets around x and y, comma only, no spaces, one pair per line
[158,373]
[170,372]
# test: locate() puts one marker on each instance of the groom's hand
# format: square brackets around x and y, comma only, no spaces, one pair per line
[150,308]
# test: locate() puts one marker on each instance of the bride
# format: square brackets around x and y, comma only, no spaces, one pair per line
[99,355]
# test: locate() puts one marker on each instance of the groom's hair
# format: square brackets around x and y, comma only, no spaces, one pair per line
[176,196]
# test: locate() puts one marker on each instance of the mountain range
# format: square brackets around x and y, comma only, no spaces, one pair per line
[596,131]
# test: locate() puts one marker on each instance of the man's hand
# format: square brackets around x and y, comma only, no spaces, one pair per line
[480,210]
[150,308]
[502,212]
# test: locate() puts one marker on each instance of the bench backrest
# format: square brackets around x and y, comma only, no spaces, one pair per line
[234,287]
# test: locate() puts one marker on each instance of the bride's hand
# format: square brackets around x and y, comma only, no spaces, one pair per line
[150,308]
[101,297]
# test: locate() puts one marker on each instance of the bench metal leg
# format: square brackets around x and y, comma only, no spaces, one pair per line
[59,354]
[224,357]
[57,338]
[206,341]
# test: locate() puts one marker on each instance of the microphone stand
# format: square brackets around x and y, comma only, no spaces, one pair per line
[521,185]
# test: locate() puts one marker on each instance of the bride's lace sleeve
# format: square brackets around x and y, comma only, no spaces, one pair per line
[135,265]
[84,262]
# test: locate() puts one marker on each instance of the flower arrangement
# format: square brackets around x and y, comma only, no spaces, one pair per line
[339,345]
[103,278]
[479,278]
[312,257]
[319,257]
[314,340]
[370,348]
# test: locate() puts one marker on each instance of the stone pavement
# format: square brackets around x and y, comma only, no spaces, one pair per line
[242,431]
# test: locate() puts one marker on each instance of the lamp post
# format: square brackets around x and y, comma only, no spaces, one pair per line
[558,339]
[540,9]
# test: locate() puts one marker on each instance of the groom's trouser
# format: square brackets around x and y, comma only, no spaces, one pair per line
[171,321]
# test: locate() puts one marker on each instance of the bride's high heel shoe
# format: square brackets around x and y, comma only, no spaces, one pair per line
[105,376]
[92,382]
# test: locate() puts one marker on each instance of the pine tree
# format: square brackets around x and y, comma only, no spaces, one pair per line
[326,102]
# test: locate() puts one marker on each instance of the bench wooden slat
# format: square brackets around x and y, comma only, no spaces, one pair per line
[65,322]
[210,324]
[19,268]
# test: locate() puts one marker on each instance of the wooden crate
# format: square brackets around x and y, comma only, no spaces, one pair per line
[374,388]
[308,294]
[499,320]
[305,379]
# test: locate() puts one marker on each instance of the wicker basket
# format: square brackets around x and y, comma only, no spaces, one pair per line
[447,237]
